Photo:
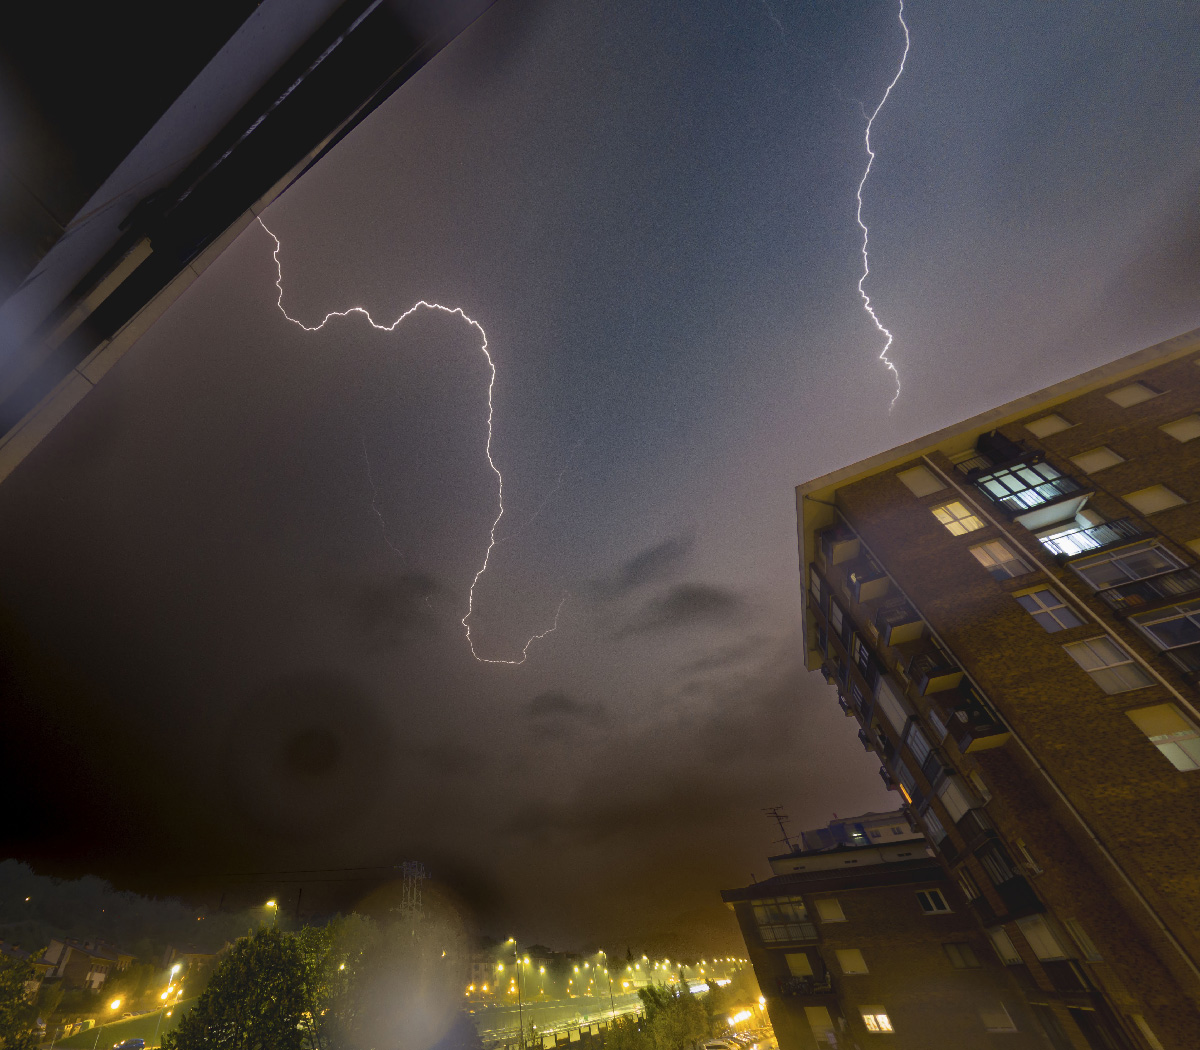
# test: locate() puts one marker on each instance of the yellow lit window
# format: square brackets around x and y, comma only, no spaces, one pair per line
[876,1019]
[1047,425]
[957,517]
[1133,394]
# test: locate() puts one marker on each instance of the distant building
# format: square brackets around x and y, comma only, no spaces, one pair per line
[1010,611]
[858,939]
[82,964]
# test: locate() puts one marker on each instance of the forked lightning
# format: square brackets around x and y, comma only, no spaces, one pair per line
[456,311]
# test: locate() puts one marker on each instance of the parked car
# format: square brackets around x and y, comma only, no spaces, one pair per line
[131,1044]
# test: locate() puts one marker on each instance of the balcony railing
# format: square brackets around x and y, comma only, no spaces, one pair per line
[846,706]
[1019,897]
[792,986]
[865,740]
[886,777]
[1130,597]
[867,580]
[838,544]
[1186,659]
[931,672]
[975,727]
[1085,541]
[898,623]
[974,827]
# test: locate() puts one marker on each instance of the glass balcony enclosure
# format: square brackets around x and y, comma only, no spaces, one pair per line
[1075,539]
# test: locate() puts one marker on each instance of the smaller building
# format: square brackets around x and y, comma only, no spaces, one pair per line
[82,964]
[867,937]
[40,966]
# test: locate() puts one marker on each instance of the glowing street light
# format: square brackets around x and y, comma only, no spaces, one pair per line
[115,1004]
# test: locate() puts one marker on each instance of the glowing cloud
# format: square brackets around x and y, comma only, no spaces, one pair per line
[883,354]
[454,311]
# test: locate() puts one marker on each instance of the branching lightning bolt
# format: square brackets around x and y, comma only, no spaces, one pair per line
[453,311]
[883,354]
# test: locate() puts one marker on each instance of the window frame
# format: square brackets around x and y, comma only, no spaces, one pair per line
[935,897]
[1188,612]
[999,570]
[1080,458]
[838,952]
[1172,745]
[1087,644]
[1193,419]
[876,1020]
[1119,558]
[963,522]
[1044,611]
[1150,393]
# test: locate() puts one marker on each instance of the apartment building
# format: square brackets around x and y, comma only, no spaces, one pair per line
[1010,611]
[868,941]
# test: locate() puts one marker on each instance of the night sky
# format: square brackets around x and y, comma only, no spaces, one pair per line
[231,582]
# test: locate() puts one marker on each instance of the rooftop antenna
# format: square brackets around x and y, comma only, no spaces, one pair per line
[776,814]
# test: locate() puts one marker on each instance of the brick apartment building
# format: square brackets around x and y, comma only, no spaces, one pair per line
[866,940]
[1010,609]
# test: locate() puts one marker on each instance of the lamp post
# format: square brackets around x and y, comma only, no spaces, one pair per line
[158,1024]
[274,904]
[608,974]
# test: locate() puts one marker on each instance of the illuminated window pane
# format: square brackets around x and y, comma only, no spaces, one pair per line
[957,517]
[1002,563]
[1096,459]
[1185,429]
[1047,425]
[830,910]
[876,1019]
[850,961]
[1152,499]
[1173,735]
[1133,394]
[921,481]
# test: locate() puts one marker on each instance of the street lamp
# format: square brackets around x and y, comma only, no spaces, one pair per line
[274,904]
[611,1004]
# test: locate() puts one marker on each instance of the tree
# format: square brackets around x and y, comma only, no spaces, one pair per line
[260,998]
[17,1018]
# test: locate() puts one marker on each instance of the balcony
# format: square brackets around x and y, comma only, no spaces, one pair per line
[886,777]
[797,986]
[1071,544]
[1033,494]
[865,740]
[898,623]
[846,706]
[975,828]
[932,672]
[867,580]
[975,727]
[838,544]
[1138,595]
[1019,897]
[1186,660]
[1066,975]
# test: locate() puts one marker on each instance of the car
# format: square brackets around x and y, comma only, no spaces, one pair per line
[137,1043]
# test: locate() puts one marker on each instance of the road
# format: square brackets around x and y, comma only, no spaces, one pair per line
[492,1021]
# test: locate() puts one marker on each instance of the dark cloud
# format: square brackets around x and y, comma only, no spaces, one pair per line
[685,605]
[653,563]
[556,713]
[389,613]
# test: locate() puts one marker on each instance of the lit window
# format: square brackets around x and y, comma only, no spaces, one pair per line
[829,910]
[1185,429]
[996,1019]
[799,964]
[1004,946]
[1096,459]
[1049,610]
[1152,499]
[1041,938]
[921,481]
[961,955]
[957,517]
[1110,666]
[932,902]
[999,560]
[1170,732]
[1071,540]
[1125,564]
[1173,627]
[876,1019]
[1047,425]
[850,961]
[1133,394]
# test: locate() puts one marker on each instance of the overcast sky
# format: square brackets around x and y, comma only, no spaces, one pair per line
[231,581]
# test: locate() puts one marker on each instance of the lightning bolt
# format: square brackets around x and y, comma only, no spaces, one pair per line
[883,354]
[456,311]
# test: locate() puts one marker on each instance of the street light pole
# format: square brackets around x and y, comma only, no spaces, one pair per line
[520,1007]
[608,974]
